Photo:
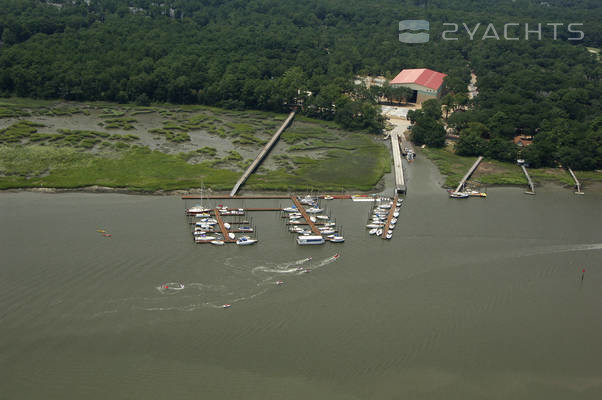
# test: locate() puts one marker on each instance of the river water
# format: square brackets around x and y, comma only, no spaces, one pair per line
[471,299]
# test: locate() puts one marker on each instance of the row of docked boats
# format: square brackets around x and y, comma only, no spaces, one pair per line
[322,223]
[378,223]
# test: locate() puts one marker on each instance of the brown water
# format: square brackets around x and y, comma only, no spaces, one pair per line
[472,299]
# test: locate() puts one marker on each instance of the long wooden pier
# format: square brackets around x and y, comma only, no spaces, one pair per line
[469,173]
[263,153]
[531,185]
[390,217]
[400,185]
[577,183]
[224,197]
[220,222]
[301,209]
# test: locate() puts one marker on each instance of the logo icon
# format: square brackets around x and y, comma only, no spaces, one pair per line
[414,25]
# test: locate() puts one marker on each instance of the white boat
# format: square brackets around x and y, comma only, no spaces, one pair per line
[389,236]
[226,225]
[327,231]
[314,210]
[329,224]
[204,238]
[199,233]
[391,226]
[312,219]
[245,229]
[362,197]
[308,240]
[322,217]
[245,241]
[328,197]
[217,242]
[390,231]
[396,214]
[197,209]
[370,226]
[372,231]
[294,216]
[458,195]
[308,200]
[294,221]
[394,220]
[336,239]
[290,209]
[203,215]
[379,232]
[384,206]
[173,286]
[231,236]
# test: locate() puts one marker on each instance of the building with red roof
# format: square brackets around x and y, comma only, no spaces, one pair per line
[426,83]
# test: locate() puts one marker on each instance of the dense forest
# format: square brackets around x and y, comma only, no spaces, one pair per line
[269,54]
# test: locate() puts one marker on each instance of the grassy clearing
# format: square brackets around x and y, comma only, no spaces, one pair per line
[360,168]
[137,168]
[492,172]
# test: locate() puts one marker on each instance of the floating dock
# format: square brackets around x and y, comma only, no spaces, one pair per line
[577,183]
[301,209]
[531,185]
[390,217]
[222,227]
[400,185]
[262,154]
[469,173]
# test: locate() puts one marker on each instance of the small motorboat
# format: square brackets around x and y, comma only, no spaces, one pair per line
[379,232]
[328,197]
[336,256]
[245,241]
[312,219]
[393,220]
[372,231]
[336,239]
[327,231]
[396,214]
[173,286]
[106,234]
[245,229]
[204,239]
[226,305]
[374,225]
[458,195]
[290,209]
[226,225]
[217,242]
[391,226]
[390,231]
[389,236]
[231,235]
[322,217]
[279,283]
[101,231]
[314,210]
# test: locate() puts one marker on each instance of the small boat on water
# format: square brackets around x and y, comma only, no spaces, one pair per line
[231,235]
[389,236]
[106,235]
[336,239]
[314,210]
[245,241]
[309,240]
[328,197]
[322,217]
[458,195]
[226,305]
[204,239]
[290,209]
[101,231]
[371,226]
[279,282]
[173,286]
[379,232]
[217,242]
[245,229]
[372,231]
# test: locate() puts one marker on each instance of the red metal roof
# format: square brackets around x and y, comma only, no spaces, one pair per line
[423,77]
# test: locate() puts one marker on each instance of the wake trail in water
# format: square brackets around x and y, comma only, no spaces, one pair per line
[561,249]
[192,296]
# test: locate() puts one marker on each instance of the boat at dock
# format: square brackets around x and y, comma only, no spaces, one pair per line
[335,239]
[372,231]
[245,241]
[323,217]
[458,195]
[314,210]
[217,242]
[310,240]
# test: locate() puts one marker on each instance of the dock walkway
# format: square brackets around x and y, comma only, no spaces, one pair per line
[390,217]
[301,209]
[469,173]
[400,185]
[577,183]
[531,185]
[263,153]
[225,232]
